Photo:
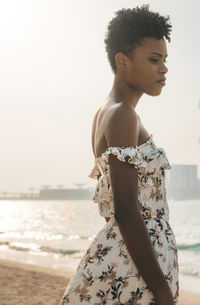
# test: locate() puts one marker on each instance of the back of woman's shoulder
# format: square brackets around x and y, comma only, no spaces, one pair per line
[122,115]
[122,127]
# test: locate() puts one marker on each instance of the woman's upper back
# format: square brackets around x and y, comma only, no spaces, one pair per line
[116,124]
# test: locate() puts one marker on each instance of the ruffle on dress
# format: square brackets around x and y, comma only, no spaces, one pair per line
[95,172]
[141,157]
[150,163]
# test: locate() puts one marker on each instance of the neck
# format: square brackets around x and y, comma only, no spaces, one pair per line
[123,92]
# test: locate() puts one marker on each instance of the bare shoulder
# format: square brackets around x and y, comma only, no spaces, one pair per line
[95,117]
[94,126]
[123,127]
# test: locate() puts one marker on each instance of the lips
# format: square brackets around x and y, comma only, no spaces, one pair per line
[162,80]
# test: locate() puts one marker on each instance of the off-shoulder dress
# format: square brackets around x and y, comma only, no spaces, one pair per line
[106,274]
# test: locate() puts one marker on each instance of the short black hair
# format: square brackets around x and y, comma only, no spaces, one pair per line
[127,29]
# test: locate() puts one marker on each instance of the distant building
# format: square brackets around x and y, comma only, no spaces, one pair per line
[182,182]
[198,184]
[73,194]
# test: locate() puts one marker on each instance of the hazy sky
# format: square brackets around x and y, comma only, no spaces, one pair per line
[54,75]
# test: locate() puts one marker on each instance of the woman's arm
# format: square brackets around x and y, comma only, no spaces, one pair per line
[123,130]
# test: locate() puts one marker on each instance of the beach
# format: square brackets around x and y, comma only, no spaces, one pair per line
[27,284]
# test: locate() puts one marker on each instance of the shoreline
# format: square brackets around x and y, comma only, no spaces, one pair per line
[24,284]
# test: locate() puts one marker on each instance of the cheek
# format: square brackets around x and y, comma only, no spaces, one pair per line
[142,76]
[146,73]
[149,75]
[149,70]
[137,75]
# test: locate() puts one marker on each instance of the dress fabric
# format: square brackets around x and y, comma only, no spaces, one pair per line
[106,274]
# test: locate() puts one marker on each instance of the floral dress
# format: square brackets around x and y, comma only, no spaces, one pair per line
[106,274]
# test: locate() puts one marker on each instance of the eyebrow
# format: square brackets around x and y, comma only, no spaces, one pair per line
[157,53]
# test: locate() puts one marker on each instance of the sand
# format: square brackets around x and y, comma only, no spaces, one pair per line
[25,284]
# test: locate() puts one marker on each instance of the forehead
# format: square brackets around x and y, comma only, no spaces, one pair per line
[149,45]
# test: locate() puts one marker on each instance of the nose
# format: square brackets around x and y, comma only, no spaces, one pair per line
[164,68]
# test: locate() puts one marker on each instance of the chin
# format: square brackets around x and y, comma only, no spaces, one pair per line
[154,93]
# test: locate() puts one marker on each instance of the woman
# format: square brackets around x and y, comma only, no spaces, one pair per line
[133,259]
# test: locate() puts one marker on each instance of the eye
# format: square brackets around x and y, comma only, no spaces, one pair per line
[154,59]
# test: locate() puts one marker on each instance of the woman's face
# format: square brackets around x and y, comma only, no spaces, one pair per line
[147,67]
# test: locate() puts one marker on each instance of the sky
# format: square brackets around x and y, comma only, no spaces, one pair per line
[55,75]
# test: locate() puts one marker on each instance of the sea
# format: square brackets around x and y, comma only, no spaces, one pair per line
[56,233]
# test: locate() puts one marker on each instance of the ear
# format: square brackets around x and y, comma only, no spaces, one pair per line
[121,61]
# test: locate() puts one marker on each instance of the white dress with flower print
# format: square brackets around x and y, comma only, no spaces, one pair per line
[106,274]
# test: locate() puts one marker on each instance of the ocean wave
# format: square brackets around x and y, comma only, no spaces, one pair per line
[192,247]
[32,247]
